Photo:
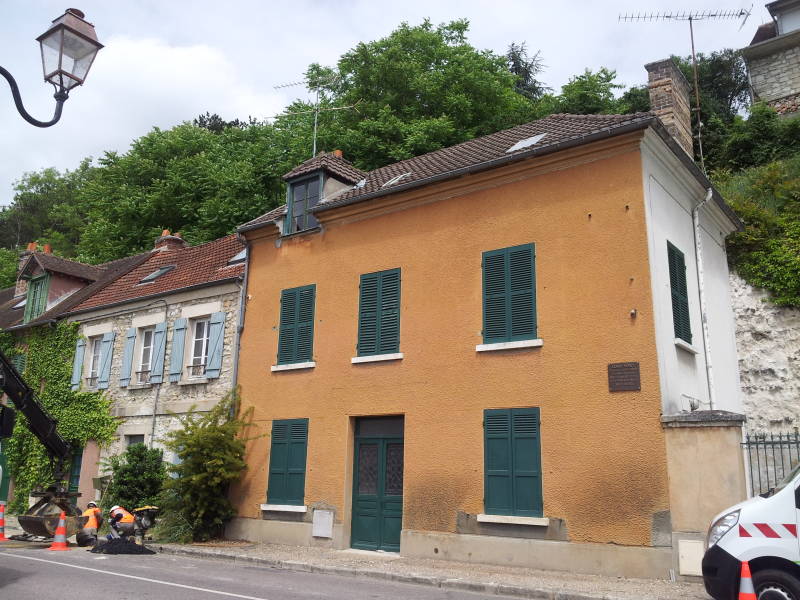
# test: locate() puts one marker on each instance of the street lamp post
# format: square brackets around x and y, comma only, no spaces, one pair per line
[68,50]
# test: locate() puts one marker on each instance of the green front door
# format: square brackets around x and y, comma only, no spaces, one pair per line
[378,484]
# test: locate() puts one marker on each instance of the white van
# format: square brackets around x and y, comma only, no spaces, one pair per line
[762,531]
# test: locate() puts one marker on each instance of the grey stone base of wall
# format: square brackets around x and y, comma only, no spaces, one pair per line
[595,559]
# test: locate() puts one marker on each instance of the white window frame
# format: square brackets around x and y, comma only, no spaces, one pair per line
[95,356]
[142,373]
[194,360]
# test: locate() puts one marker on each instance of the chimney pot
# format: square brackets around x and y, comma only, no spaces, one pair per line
[168,241]
[31,247]
[338,153]
[48,249]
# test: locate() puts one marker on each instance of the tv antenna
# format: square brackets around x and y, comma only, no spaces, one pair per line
[317,109]
[691,17]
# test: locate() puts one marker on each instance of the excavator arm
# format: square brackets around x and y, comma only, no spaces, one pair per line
[41,424]
[42,518]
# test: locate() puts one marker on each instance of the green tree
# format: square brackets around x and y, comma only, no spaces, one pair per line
[724,93]
[419,89]
[8,267]
[137,476]
[585,94]
[211,453]
[526,68]
[767,252]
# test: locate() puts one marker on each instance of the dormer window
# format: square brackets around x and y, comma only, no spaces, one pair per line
[36,301]
[303,195]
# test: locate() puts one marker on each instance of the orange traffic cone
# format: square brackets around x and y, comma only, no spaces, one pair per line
[60,541]
[3,537]
[746,589]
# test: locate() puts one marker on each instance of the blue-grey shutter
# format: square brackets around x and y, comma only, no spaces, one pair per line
[159,347]
[216,336]
[127,357]
[106,355]
[77,364]
[176,356]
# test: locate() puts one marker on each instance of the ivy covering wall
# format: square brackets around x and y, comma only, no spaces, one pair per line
[81,416]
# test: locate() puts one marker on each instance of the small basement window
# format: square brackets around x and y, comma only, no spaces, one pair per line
[156,274]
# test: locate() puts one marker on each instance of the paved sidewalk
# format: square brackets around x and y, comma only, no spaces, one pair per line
[488,579]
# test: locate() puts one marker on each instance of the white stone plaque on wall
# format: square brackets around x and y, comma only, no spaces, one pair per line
[322,524]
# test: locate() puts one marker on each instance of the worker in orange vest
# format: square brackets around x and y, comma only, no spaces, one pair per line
[122,522]
[89,532]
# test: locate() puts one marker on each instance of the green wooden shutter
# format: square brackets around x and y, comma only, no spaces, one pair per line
[287,462]
[512,462]
[509,294]
[680,295]
[36,300]
[498,490]
[379,313]
[296,335]
[527,462]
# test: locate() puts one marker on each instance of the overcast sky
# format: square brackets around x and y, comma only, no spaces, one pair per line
[166,61]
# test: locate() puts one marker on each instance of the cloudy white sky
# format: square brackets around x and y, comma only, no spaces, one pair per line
[166,61]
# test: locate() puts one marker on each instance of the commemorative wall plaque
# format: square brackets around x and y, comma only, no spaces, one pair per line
[624,377]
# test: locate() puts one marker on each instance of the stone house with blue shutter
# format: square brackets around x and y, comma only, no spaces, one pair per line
[161,338]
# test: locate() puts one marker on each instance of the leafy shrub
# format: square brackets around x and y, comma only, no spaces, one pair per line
[137,476]
[195,505]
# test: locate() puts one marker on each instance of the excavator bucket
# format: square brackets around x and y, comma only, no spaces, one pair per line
[42,518]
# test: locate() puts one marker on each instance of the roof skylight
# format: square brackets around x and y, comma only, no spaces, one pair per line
[526,143]
[239,258]
[156,274]
[394,180]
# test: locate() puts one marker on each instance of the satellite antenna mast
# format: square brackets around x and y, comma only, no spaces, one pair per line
[316,110]
[691,17]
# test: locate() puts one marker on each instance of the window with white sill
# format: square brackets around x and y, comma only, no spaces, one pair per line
[145,356]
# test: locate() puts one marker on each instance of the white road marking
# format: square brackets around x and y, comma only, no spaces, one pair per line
[115,574]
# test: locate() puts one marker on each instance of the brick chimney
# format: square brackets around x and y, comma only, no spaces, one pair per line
[167,241]
[670,100]
[21,287]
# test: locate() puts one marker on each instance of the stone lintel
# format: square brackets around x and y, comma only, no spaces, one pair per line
[703,418]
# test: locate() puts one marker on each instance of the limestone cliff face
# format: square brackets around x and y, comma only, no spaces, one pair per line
[768,342]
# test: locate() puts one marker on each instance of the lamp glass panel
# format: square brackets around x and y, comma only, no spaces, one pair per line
[51,52]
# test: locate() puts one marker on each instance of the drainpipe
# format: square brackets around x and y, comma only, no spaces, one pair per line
[240,324]
[698,253]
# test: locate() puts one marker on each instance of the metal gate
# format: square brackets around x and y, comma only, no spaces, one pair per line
[770,457]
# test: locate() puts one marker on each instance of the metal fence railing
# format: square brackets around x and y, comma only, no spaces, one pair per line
[770,456]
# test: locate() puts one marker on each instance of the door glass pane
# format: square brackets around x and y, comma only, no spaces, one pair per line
[394,469]
[368,469]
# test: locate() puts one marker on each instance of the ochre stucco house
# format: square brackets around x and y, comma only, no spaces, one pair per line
[490,352]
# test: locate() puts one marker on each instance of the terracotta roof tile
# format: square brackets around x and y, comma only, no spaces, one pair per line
[557,129]
[194,265]
[49,262]
[10,317]
[328,161]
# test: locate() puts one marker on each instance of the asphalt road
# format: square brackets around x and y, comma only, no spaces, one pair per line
[37,574]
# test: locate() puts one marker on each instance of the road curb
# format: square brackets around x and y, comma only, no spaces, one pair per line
[494,589]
